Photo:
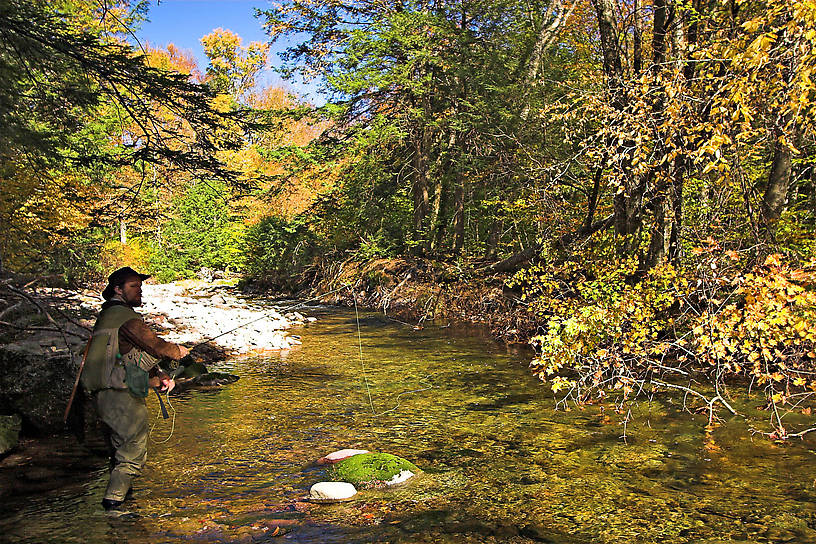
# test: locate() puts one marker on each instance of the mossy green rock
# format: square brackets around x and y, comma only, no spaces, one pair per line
[370,468]
[9,432]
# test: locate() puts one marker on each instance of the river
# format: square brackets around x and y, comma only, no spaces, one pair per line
[500,464]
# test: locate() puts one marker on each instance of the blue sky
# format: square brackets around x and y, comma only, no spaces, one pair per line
[184,22]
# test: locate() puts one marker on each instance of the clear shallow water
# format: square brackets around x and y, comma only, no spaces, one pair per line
[500,464]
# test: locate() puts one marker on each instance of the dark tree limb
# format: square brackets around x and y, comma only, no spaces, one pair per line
[514,262]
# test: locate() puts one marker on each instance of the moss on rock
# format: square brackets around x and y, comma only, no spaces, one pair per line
[370,468]
[9,432]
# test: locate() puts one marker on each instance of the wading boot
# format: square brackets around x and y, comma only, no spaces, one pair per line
[116,509]
[110,504]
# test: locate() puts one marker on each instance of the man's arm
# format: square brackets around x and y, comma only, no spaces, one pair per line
[137,332]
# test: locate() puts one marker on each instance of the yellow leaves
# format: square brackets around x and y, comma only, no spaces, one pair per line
[773,260]
[763,42]
[799,381]
[752,25]
[559,383]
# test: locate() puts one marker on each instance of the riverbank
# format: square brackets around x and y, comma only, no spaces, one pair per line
[421,290]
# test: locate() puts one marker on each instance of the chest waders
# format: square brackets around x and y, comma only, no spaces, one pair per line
[120,384]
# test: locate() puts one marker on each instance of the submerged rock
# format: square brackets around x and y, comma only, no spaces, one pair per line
[9,432]
[372,469]
[210,379]
[192,370]
[337,456]
[331,491]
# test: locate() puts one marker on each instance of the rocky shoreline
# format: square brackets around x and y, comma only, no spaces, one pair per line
[191,313]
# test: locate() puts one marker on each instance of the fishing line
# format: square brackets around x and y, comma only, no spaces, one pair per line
[360,344]
[286,309]
[172,423]
[405,393]
[362,365]
[266,315]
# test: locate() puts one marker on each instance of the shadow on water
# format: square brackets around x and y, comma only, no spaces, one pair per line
[500,465]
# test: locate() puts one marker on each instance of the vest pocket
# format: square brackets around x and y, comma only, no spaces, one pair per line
[137,379]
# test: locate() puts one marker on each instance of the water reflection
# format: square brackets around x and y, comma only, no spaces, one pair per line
[501,465]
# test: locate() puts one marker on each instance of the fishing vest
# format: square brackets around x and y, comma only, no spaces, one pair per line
[105,367]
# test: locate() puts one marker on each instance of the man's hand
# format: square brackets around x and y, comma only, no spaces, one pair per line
[163,382]
[167,383]
[184,352]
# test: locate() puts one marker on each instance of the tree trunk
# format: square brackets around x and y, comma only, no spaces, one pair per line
[554,18]
[421,197]
[613,67]
[494,238]
[436,223]
[626,219]
[661,234]
[784,137]
[459,213]
[675,249]
[592,199]
[637,42]
[773,201]
[659,36]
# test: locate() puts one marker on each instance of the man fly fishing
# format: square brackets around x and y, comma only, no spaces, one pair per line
[121,365]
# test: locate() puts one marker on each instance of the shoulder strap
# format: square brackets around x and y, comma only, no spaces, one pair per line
[114,317]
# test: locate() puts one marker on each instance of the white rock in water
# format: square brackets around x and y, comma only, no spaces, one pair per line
[401,477]
[332,491]
[337,456]
[311,319]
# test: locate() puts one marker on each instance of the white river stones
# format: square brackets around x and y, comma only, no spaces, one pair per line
[191,315]
[331,492]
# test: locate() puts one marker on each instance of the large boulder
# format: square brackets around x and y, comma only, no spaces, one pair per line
[9,432]
[36,384]
[373,469]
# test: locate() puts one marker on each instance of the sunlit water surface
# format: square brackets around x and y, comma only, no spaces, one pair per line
[500,464]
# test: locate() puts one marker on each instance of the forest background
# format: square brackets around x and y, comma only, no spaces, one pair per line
[638,174]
